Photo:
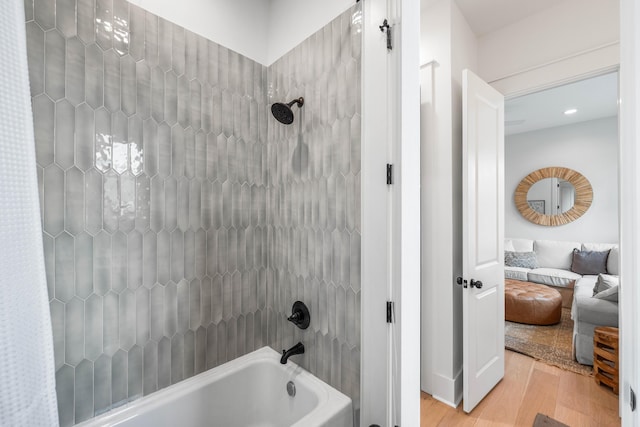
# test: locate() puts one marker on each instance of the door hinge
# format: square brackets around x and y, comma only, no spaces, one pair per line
[389,174]
[632,399]
[385,27]
[390,312]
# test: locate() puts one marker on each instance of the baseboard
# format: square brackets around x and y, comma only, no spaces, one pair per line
[448,390]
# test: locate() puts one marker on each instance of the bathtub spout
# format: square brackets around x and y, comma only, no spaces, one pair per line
[296,349]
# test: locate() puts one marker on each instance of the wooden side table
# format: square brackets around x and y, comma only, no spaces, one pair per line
[606,364]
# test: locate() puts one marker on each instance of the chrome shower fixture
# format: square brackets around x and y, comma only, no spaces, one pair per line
[282,112]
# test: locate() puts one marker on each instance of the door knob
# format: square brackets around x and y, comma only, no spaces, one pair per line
[476,283]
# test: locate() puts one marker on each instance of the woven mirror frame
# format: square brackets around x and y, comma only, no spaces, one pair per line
[582,201]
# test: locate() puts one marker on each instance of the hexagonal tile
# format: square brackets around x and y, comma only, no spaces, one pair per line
[195,110]
[35,55]
[143,203]
[93,328]
[134,260]
[83,391]
[111,201]
[127,318]
[127,214]
[177,255]
[53,220]
[171,203]
[102,263]
[164,255]
[93,201]
[177,151]
[119,377]
[183,306]
[43,119]
[157,94]
[137,18]
[111,79]
[143,90]
[83,265]
[94,76]
[74,331]
[110,324]
[104,23]
[44,13]
[156,309]
[128,86]
[119,262]
[183,101]
[85,10]
[75,70]
[170,309]
[143,310]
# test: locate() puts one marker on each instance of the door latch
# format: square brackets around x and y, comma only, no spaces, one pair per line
[461,281]
[386,27]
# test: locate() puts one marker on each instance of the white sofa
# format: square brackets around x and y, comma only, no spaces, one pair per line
[554,269]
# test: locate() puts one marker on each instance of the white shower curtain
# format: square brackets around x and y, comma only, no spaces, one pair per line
[27,377]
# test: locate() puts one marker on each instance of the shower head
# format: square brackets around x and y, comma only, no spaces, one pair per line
[282,112]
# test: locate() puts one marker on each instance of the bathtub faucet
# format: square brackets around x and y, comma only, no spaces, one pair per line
[296,349]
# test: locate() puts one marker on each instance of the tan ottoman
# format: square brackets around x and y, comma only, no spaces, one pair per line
[531,303]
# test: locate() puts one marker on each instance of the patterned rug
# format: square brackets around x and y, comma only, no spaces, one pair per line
[549,344]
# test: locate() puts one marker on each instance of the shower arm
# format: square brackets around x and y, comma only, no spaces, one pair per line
[299,101]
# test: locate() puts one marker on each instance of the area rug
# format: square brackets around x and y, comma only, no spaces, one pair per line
[548,344]
[546,421]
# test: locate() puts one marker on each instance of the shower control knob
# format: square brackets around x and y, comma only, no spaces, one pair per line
[300,315]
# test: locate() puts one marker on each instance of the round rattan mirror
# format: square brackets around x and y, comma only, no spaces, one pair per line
[582,199]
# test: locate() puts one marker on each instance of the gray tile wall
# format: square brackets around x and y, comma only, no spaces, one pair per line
[151,151]
[314,252]
[180,220]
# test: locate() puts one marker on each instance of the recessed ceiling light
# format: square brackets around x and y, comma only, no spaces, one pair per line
[571,111]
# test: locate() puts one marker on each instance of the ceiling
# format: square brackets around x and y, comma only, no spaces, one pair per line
[485,16]
[594,98]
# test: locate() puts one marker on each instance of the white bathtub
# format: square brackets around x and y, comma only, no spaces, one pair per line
[250,391]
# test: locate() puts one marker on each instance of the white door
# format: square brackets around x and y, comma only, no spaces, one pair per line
[483,237]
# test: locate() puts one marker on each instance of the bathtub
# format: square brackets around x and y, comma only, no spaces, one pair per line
[250,391]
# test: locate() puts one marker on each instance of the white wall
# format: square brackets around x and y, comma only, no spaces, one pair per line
[262,30]
[292,21]
[590,148]
[573,38]
[240,25]
[447,39]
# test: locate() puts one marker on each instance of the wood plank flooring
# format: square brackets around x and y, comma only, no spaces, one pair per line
[527,388]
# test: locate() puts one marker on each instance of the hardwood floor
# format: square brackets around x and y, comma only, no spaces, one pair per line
[527,388]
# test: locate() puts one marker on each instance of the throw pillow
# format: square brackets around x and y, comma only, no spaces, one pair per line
[589,262]
[604,282]
[520,259]
[610,294]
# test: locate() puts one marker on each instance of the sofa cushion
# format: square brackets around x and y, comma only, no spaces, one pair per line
[520,259]
[516,273]
[604,282]
[614,254]
[555,254]
[519,245]
[508,246]
[553,276]
[589,262]
[610,294]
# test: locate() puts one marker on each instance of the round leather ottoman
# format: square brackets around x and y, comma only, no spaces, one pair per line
[531,303]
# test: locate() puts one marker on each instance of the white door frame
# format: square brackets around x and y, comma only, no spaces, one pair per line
[375,225]
[629,207]
[390,134]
